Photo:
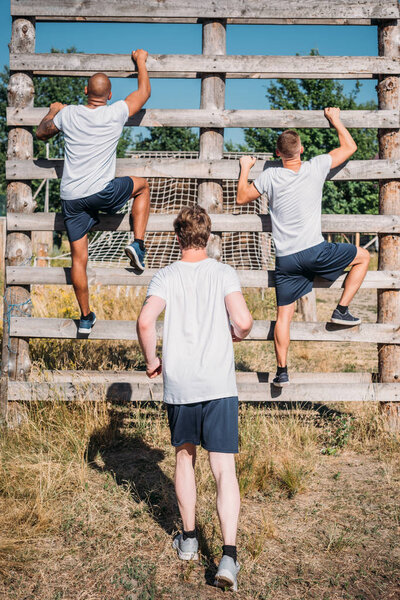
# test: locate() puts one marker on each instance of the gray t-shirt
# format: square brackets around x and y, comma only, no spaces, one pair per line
[198,361]
[295,203]
[91,136]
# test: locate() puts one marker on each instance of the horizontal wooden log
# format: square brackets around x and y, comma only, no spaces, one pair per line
[126,276]
[178,168]
[230,118]
[186,65]
[229,20]
[211,9]
[70,376]
[220,223]
[384,333]
[129,391]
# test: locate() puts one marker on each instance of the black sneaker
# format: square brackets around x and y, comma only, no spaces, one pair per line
[344,318]
[85,325]
[281,380]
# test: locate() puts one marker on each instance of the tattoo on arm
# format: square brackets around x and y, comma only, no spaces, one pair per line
[146,300]
[47,128]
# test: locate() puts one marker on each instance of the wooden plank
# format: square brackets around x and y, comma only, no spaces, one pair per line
[220,223]
[126,276]
[186,65]
[221,9]
[230,118]
[177,168]
[129,391]
[197,20]
[69,376]
[387,333]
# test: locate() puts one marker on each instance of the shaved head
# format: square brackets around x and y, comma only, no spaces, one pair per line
[99,86]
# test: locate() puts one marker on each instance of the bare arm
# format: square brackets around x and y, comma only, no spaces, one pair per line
[146,330]
[347,144]
[246,192]
[136,100]
[46,128]
[239,314]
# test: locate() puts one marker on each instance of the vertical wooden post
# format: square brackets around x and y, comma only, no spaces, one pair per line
[210,193]
[389,203]
[307,307]
[15,353]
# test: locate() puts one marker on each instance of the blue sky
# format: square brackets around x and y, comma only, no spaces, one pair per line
[186,39]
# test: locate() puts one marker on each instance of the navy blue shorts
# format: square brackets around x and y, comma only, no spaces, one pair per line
[213,424]
[82,214]
[295,273]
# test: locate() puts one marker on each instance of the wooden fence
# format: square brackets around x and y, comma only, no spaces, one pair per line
[213,66]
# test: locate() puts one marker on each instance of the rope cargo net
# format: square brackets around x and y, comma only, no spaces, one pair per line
[241,250]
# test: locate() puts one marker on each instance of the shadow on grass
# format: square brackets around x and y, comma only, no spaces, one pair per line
[135,465]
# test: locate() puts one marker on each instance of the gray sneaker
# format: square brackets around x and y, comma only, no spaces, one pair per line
[187,549]
[226,576]
[344,318]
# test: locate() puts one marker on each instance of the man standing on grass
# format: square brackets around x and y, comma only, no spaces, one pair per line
[88,185]
[204,312]
[295,195]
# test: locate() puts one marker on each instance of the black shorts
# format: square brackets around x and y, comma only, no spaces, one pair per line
[213,424]
[295,273]
[82,214]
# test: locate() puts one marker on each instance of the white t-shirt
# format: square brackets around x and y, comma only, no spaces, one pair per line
[91,136]
[198,360]
[295,203]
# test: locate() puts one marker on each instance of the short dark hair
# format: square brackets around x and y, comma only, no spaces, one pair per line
[193,227]
[288,143]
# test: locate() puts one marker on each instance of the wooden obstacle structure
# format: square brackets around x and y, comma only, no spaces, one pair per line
[213,66]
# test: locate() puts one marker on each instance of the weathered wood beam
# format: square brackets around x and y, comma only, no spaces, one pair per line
[15,363]
[386,333]
[83,376]
[220,223]
[195,65]
[211,140]
[389,201]
[126,276]
[129,391]
[210,9]
[178,168]
[190,117]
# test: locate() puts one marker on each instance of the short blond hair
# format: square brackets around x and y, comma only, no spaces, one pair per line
[289,143]
[193,227]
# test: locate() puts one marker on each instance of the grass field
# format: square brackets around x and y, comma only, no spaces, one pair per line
[87,507]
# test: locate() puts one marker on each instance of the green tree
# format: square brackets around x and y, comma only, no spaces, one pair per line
[68,90]
[173,139]
[315,94]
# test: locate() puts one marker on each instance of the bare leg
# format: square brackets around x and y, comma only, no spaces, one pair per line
[79,255]
[354,279]
[228,497]
[282,332]
[140,206]
[185,484]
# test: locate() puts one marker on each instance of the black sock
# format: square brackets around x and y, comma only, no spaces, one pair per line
[141,243]
[87,317]
[280,370]
[230,551]
[342,309]
[189,534]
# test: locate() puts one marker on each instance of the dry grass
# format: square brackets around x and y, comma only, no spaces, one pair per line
[88,507]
